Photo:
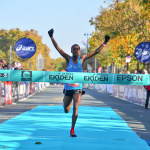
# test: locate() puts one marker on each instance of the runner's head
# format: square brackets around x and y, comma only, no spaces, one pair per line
[75,50]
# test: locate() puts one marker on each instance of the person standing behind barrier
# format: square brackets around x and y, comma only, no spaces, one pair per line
[13,65]
[1,64]
[135,71]
[147,90]
[147,96]
[8,66]
[5,67]
[4,62]
[74,63]
[145,71]
[139,72]
[127,72]
[1,67]
[149,70]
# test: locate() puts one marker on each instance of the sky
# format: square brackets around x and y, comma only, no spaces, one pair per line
[68,18]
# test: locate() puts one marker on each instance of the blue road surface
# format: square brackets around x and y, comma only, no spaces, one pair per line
[97,128]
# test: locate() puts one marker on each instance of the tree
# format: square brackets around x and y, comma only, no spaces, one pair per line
[128,23]
[60,64]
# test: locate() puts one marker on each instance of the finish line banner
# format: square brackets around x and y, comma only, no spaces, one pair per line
[74,77]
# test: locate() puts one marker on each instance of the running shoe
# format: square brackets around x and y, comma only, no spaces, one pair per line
[72,134]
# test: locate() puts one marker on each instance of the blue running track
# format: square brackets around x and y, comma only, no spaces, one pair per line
[97,128]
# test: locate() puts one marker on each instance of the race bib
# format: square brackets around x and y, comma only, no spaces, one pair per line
[73,85]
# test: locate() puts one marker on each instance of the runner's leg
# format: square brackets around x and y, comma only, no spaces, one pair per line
[76,103]
[67,103]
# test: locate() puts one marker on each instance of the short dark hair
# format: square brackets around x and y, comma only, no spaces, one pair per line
[74,45]
[4,59]
[13,62]
[4,66]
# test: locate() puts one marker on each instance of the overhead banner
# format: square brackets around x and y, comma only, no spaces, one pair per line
[74,77]
[25,48]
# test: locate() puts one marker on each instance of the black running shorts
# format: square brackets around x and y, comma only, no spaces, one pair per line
[72,92]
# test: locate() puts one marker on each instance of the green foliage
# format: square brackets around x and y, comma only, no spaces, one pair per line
[127,23]
[60,64]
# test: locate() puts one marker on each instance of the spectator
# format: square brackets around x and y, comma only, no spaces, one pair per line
[1,64]
[17,68]
[135,72]
[4,62]
[21,67]
[13,65]
[127,72]
[5,67]
[149,70]
[1,67]
[8,66]
[145,71]
[140,72]
[147,96]
[16,65]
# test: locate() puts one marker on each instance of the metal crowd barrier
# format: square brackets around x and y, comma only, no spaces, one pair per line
[12,92]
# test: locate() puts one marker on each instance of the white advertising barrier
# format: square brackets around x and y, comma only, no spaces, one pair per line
[132,93]
[115,90]
[85,85]
[101,87]
[40,85]
[144,96]
[110,88]
[46,84]
[141,94]
[21,91]
[121,91]
[11,92]
[91,86]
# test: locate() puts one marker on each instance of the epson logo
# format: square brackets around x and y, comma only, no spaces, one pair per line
[129,78]
[24,48]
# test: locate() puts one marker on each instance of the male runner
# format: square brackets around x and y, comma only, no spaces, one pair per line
[74,63]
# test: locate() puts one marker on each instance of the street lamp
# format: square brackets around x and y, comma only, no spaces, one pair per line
[10,51]
[87,34]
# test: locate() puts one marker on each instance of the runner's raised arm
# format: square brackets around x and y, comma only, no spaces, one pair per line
[62,53]
[87,56]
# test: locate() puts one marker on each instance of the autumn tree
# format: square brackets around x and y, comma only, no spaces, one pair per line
[127,23]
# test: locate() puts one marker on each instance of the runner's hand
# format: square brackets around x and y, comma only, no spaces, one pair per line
[106,39]
[50,32]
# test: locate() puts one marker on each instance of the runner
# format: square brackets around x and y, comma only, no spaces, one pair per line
[74,63]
